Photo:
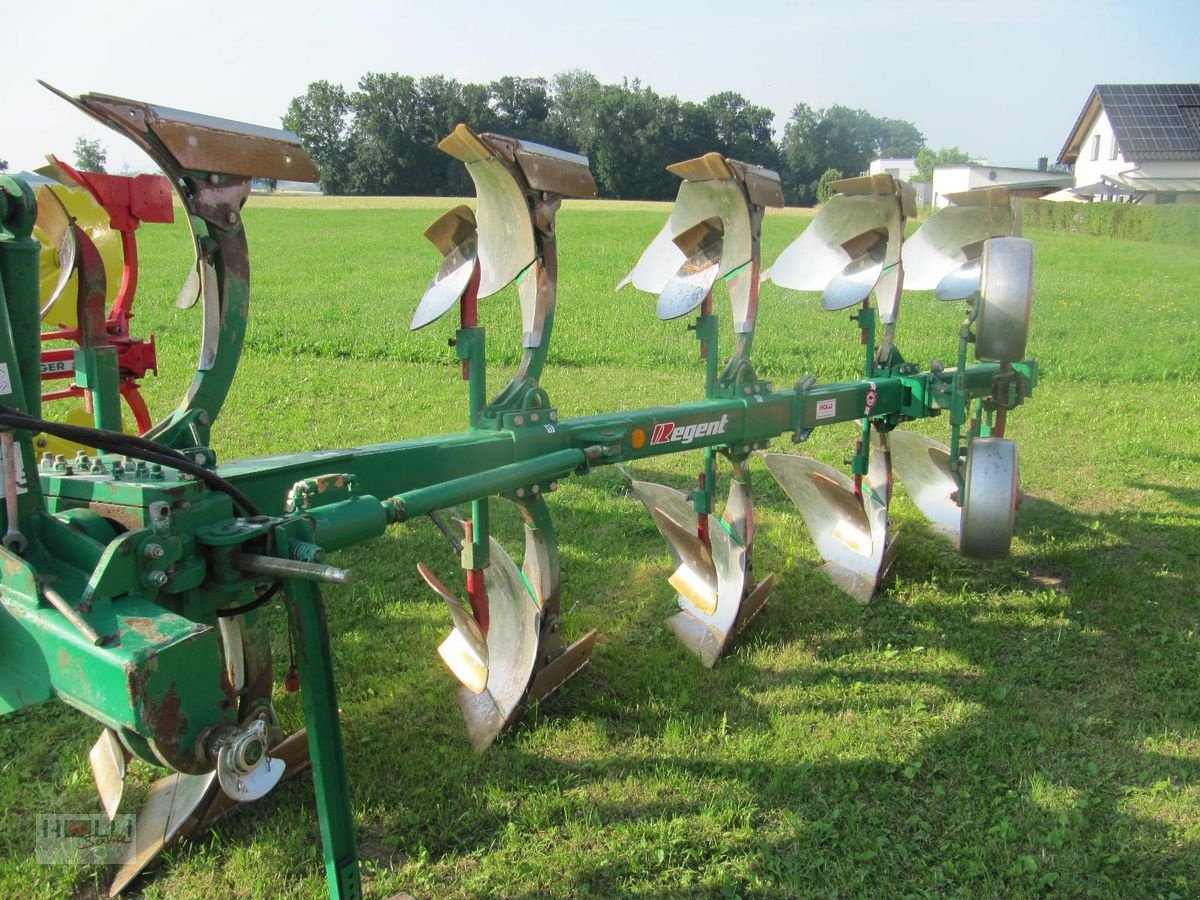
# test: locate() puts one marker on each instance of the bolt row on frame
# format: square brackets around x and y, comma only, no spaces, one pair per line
[136,574]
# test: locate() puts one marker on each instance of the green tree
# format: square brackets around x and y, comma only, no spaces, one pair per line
[838,138]
[742,130]
[320,117]
[825,184]
[927,159]
[89,155]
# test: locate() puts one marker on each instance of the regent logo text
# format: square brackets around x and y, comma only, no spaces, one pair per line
[670,433]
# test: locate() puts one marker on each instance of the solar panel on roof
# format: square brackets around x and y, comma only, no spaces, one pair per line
[1154,121]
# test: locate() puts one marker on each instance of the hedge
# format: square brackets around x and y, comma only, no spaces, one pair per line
[1166,224]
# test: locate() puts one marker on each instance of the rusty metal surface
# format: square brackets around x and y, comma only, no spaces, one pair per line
[555,171]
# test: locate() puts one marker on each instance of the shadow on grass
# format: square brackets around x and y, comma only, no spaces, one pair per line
[995,729]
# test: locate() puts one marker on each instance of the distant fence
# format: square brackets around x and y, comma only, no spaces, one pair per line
[1166,224]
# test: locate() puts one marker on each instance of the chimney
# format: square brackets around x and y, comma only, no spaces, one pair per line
[1042,162]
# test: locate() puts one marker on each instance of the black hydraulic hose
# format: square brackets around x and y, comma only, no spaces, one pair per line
[127,445]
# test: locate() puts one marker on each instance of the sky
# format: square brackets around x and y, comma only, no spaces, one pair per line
[1004,81]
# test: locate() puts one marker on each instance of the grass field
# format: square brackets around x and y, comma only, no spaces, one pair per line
[980,730]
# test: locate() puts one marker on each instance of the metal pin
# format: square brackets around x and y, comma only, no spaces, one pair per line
[289,568]
[13,539]
[71,614]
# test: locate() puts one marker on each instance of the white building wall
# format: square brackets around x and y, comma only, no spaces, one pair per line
[1108,158]
[949,180]
[901,167]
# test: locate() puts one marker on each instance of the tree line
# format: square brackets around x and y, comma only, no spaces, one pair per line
[381,138]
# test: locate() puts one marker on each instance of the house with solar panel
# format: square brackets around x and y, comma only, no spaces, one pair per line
[1137,142]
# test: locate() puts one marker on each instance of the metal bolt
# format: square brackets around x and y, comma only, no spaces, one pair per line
[520,492]
[553,416]
[746,390]
[553,486]
[156,579]
[198,458]
[231,218]
[534,489]
[518,420]
[533,417]
[153,551]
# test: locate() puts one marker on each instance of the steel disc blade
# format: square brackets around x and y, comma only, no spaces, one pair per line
[512,643]
[172,810]
[107,758]
[851,535]
[254,785]
[1005,300]
[990,494]
[817,256]
[948,240]
[924,467]
[292,751]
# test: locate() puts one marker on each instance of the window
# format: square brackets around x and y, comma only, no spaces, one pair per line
[1112,148]
[1095,146]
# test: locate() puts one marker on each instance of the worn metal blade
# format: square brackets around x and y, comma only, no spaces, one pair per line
[172,810]
[961,283]
[950,239]
[57,224]
[211,333]
[924,467]
[676,504]
[189,294]
[854,283]
[850,534]
[505,230]
[688,287]
[108,760]
[818,256]
[693,555]
[456,235]
[465,651]
[705,633]
[551,676]
[696,202]
[512,643]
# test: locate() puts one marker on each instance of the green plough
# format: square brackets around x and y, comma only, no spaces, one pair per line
[135,577]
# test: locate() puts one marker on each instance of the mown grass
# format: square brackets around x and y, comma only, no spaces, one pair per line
[1001,729]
